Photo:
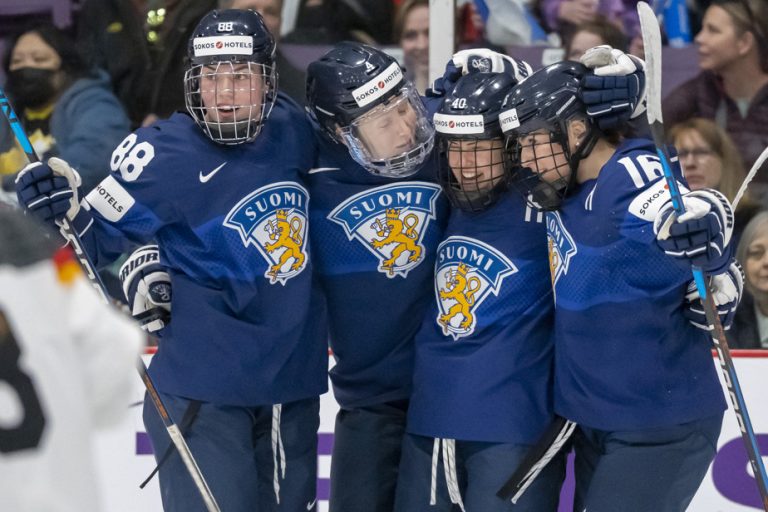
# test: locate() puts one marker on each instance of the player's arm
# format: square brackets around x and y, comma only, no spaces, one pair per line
[118,214]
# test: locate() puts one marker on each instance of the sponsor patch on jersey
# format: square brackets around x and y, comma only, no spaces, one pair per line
[378,86]
[273,219]
[467,271]
[561,247]
[509,120]
[222,45]
[390,221]
[646,204]
[463,125]
[110,199]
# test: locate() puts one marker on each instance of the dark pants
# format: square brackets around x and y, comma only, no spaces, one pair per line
[639,471]
[233,447]
[366,455]
[482,469]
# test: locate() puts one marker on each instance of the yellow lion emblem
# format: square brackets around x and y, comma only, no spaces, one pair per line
[461,290]
[396,231]
[554,260]
[287,235]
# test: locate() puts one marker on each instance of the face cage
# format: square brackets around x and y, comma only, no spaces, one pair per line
[246,125]
[403,164]
[538,193]
[480,192]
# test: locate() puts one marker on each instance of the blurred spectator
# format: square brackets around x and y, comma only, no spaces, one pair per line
[331,21]
[565,16]
[511,22]
[750,327]
[143,46]
[710,159]
[412,34]
[66,109]
[291,80]
[594,33]
[732,87]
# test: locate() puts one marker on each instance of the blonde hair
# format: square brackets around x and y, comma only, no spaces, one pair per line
[723,147]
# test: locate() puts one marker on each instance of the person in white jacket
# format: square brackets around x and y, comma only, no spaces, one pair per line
[66,367]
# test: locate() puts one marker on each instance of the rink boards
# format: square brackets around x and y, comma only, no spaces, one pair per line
[124,454]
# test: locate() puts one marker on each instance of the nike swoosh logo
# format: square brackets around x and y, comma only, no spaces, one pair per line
[311,505]
[205,177]
[322,169]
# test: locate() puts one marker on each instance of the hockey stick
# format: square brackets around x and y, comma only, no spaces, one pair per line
[755,167]
[98,285]
[537,458]
[652,42]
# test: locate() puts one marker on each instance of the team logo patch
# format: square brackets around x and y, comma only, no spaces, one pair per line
[274,220]
[390,221]
[561,247]
[466,272]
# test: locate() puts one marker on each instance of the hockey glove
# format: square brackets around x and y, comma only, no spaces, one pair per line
[702,234]
[477,60]
[147,288]
[615,93]
[727,288]
[48,191]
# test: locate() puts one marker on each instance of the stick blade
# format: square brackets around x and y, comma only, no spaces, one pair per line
[652,43]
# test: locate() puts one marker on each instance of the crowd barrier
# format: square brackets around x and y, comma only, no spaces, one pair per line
[124,454]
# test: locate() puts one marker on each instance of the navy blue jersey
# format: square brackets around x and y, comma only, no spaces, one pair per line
[247,326]
[626,358]
[485,350]
[374,242]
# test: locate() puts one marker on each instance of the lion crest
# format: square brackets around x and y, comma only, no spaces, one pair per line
[462,291]
[467,273]
[286,235]
[401,232]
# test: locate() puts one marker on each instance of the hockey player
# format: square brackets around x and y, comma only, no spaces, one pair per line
[219,190]
[377,216]
[484,349]
[66,369]
[629,367]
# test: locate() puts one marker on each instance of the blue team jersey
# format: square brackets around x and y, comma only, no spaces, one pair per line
[484,352]
[626,358]
[373,240]
[248,328]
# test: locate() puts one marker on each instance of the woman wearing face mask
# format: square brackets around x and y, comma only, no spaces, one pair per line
[66,109]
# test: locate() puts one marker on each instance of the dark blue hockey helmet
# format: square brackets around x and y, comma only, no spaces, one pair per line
[360,97]
[472,168]
[535,120]
[231,84]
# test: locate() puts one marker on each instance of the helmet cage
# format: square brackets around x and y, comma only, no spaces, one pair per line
[365,146]
[242,118]
[483,174]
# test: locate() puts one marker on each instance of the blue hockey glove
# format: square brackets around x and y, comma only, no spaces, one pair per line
[147,288]
[48,191]
[615,93]
[477,60]
[727,288]
[702,234]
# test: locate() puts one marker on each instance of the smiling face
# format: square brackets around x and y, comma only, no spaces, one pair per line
[415,37]
[477,165]
[544,157]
